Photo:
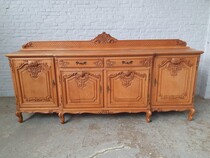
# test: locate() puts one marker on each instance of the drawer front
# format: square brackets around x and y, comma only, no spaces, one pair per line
[129,62]
[80,62]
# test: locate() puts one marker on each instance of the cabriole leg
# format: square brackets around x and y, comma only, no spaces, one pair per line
[20,116]
[62,119]
[148,116]
[191,114]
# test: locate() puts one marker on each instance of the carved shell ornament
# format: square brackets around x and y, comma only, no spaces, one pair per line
[175,64]
[104,38]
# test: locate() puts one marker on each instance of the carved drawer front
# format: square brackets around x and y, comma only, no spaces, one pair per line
[174,79]
[80,62]
[82,89]
[36,84]
[128,62]
[127,88]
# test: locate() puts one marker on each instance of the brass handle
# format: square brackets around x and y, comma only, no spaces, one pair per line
[127,62]
[81,63]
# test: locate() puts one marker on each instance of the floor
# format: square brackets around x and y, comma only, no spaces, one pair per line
[169,135]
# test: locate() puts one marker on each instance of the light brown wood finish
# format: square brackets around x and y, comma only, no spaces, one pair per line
[104,75]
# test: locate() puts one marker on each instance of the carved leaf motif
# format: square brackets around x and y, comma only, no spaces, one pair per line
[104,38]
[34,68]
[81,79]
[127,77]
[175,64]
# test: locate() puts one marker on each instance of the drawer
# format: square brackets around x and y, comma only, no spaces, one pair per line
[129,62]
[80,62]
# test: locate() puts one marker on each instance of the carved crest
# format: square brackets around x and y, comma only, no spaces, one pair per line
[27,45]
[175,64]
[81,79]
[104,38]
[127,77]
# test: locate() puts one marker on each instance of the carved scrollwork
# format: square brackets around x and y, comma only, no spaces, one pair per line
[38,99]
[81,79]
[99,63]
[175,64]
[33,67]
[110,63]
[104,38]
[11,65]
[127,77]
[63,63]
[146,62]
[27,45]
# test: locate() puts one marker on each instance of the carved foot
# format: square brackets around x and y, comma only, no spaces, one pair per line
[191,114]
[148,116]
[20,116]
[62,119]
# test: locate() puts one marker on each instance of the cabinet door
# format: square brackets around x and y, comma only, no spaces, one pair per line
[174,79]
[35,79]
[127,88]
[82,88]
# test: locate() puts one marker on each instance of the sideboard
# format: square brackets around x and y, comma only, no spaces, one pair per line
[104,76]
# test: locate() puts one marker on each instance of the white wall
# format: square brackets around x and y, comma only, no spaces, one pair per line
[26,20]
[205,71]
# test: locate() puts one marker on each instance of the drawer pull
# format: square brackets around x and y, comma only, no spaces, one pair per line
[81,63]
[127,62]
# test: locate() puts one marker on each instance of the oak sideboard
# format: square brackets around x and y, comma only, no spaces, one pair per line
[104,76]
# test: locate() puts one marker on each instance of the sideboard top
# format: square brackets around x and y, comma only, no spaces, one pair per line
[103,43]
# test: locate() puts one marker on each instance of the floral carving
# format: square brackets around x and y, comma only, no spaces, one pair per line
[81,79]
[127,77]
[27,45]
[175,64]
[104,38]
[34,67]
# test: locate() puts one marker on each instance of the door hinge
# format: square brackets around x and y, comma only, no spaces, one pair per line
[155,82]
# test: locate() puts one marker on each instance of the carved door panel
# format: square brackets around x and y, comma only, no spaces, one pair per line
[174,79]
[127,88]
[36,82]
[82,88]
